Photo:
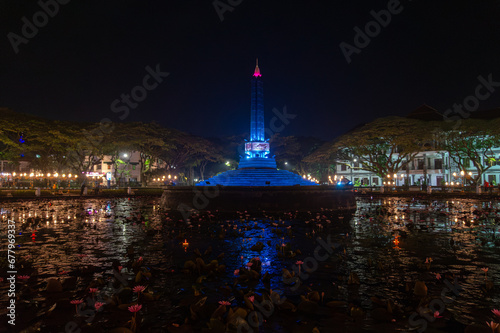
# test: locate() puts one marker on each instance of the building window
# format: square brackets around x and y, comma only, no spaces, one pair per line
[109,166]
[438,163]
[420,164]
[375,180]
[343,167]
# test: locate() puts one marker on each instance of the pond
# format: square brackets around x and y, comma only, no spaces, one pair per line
[289,272]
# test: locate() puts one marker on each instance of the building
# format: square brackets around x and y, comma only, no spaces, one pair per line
[433,168]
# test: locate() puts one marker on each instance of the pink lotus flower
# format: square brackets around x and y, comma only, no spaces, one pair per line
[92,290]
[135,308]
[496,312]
[436,315]
[140,259]
[138,289]
[428,260]
[251,298]
[249,264]
[98,305]
[76,302]
[223,303]
[300,264]
[236,272]
[23,277]
[438,276]
[485,270]
[63,272]
[120,269]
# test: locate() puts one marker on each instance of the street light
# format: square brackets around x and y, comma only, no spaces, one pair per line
[462,173]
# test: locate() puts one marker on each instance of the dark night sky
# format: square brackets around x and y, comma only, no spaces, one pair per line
[93,51]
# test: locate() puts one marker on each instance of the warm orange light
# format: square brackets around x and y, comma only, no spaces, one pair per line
[186,244]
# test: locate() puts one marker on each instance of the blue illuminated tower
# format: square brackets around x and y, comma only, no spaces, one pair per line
[257,149]
[257,107]
[257,167]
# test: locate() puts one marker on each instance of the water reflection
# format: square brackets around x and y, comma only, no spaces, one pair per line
[385,243]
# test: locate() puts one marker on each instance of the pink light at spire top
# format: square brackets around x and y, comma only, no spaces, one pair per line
[256,73]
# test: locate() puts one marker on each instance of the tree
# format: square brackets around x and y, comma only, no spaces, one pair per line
[382,146]
[473,142]
[294,151]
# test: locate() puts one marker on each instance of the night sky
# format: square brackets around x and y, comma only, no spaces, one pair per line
[91,52]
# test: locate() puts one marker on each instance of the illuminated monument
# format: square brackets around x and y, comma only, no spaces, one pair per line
[257,185]
[257,167]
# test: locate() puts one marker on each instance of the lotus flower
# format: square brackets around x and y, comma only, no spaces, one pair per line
[138,289]
[98,305]
[485,270]
[76,302]
[436,315]
[224,303]
[492,325]
[300,264]
[135,308]
[23,277]
[251,298]
[438,276]
[92,290]
[496,312]
[236,272]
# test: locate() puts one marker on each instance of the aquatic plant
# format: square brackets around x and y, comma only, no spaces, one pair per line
[76,302]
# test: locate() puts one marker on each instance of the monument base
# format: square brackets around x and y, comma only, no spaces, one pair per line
[258,198]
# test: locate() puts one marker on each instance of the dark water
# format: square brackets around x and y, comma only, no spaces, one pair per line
[82,239]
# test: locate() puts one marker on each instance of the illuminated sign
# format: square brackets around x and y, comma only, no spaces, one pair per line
[93,174]
[256,146]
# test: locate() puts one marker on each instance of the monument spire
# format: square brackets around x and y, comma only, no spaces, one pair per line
[256,73]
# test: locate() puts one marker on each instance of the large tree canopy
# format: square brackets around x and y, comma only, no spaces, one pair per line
[472,143]
[382,146]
